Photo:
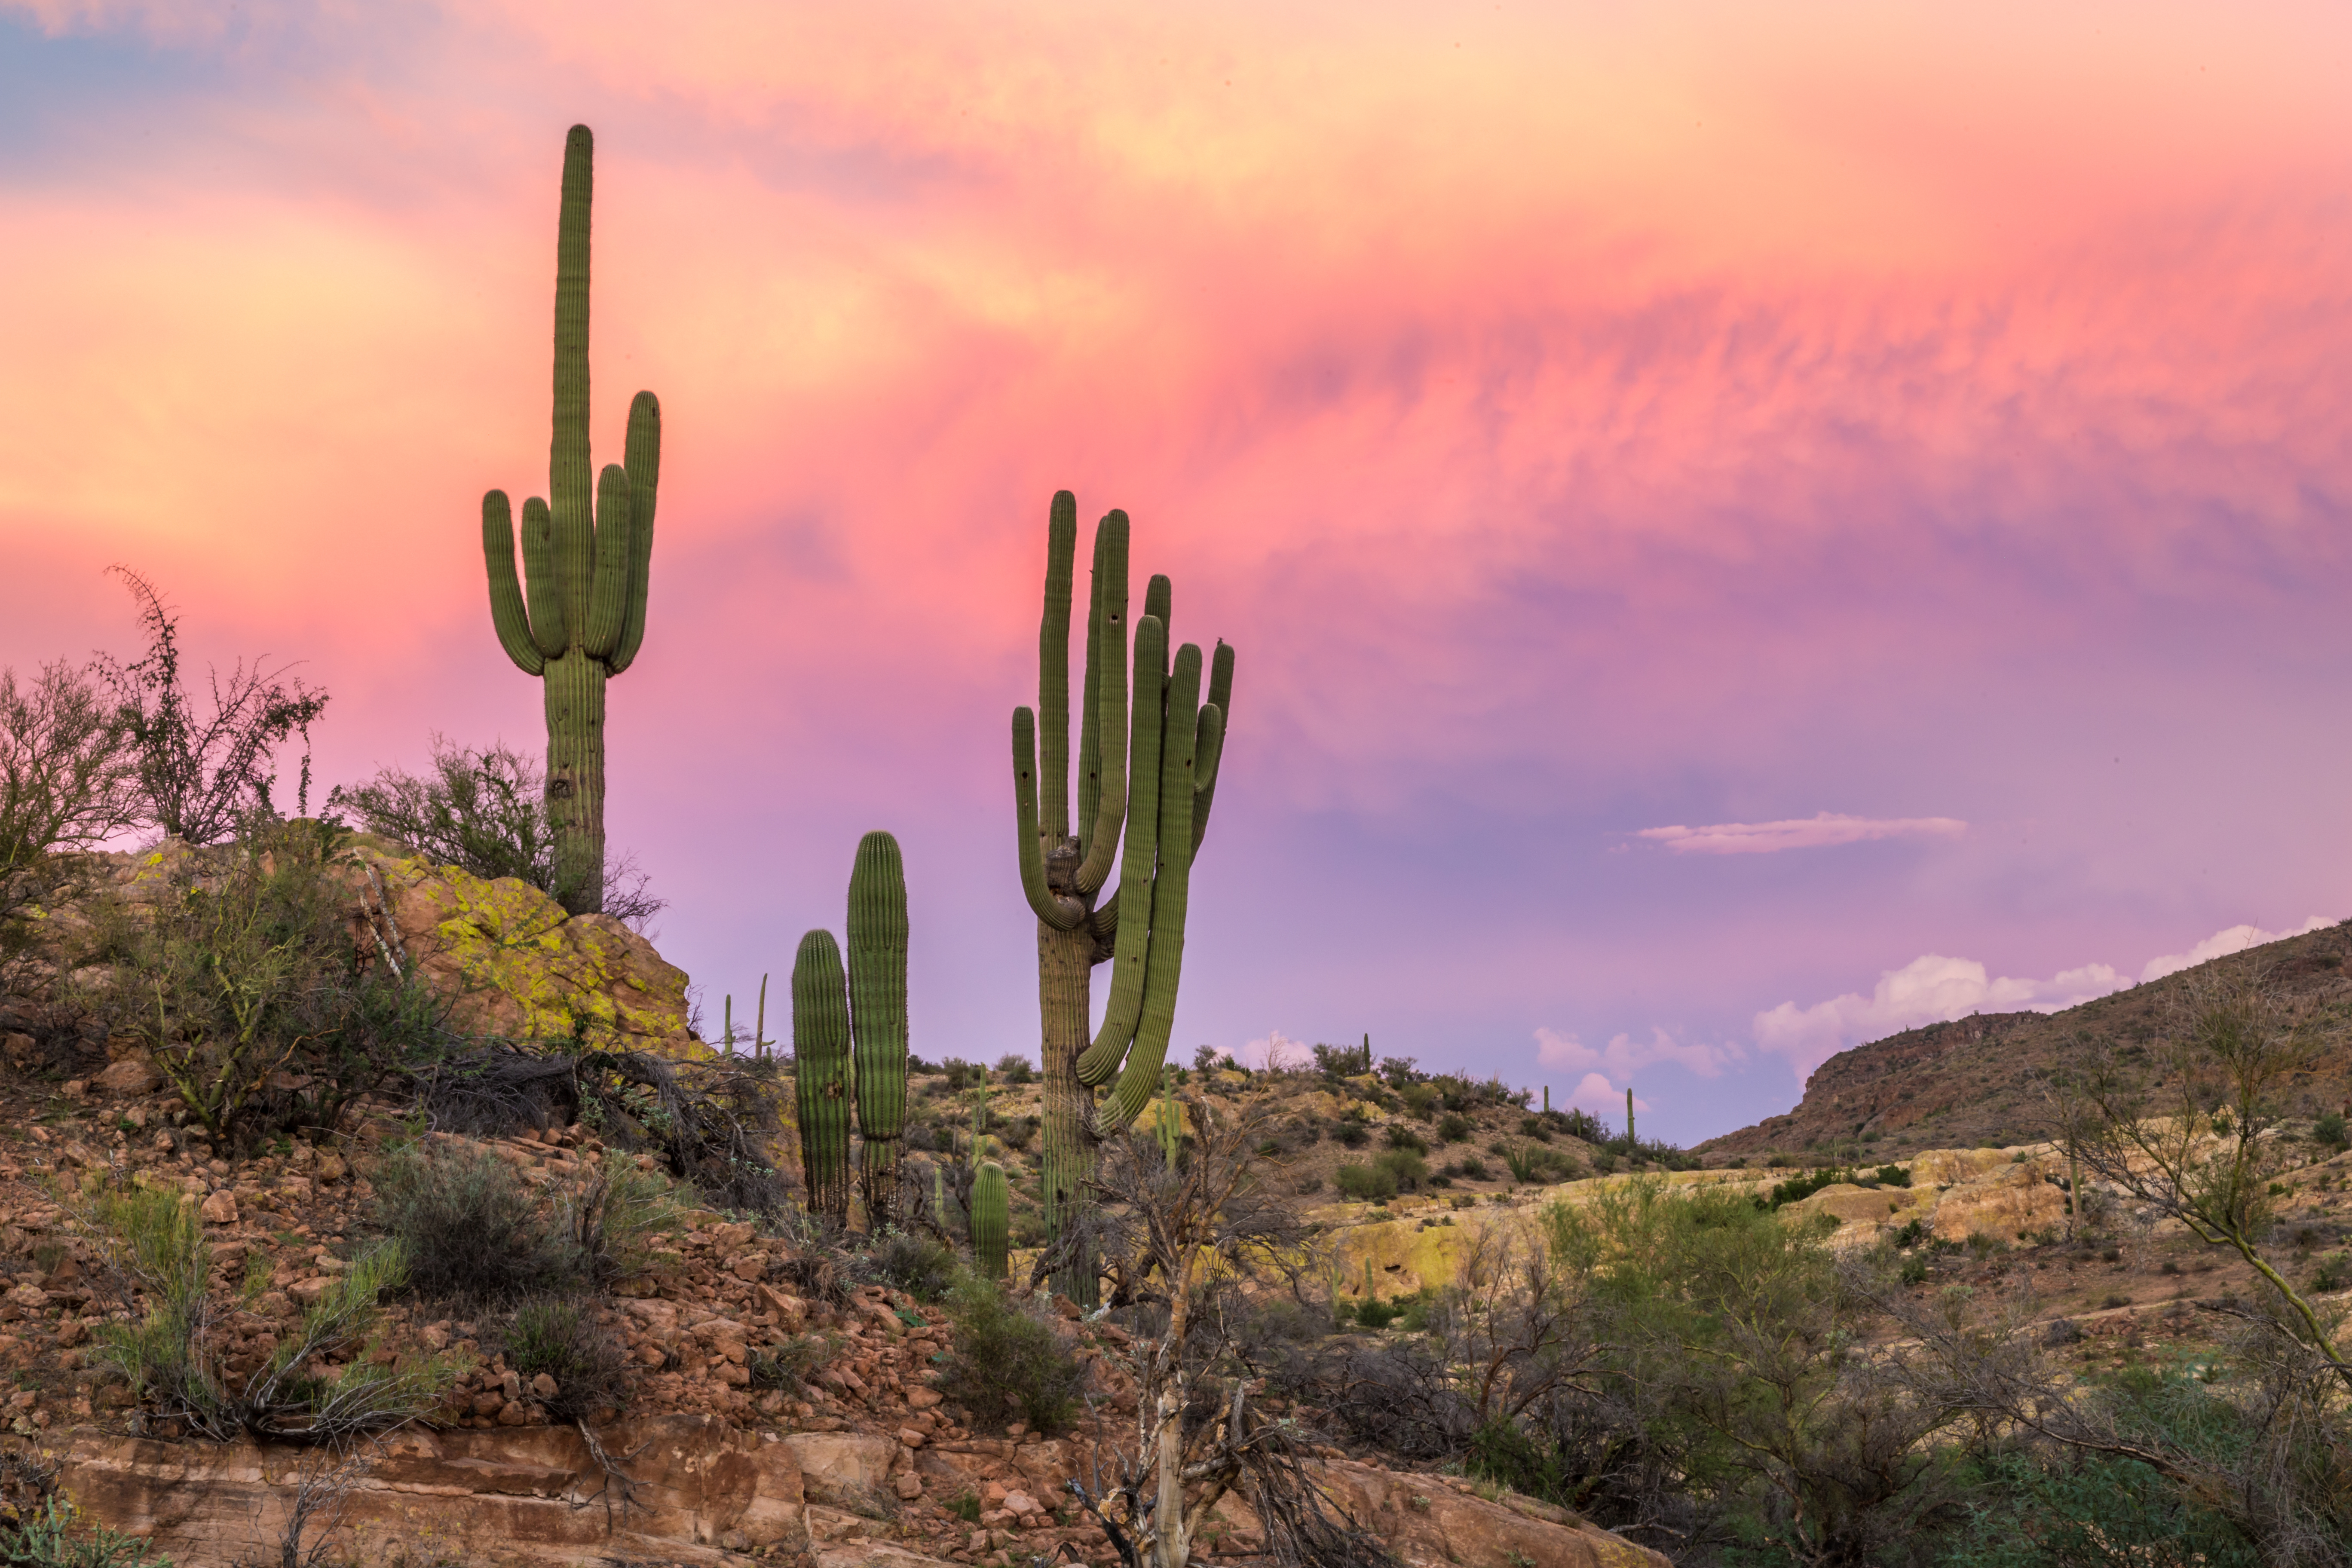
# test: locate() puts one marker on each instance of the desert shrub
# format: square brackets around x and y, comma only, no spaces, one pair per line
[2328,1131]
[1365,1183]
[611,1217]
[1018,1132]
[155,1249]
[198,779]
[962,1075]
[1421,1099]
[1453,1128]
[1537,1128]
[790,1365]
[1405,1167]
[567,1339]
[1014,1068]
[2048,1511]
[246,984]
[1371,1312]
[920,1266]
[1011,1360]
[1397,1072]
[65,783]
[1406,1138]
[1343,1061]
[1351,1134]
[476,1234]
[485,812]
[52,1535]
[1471,1167]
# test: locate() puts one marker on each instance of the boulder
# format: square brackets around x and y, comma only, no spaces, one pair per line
[843,1467]
[130,1077]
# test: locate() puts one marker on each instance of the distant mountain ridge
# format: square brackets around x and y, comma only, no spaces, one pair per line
[1984,1079]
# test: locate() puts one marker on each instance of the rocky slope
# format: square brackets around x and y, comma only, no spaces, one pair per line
[1982,1080]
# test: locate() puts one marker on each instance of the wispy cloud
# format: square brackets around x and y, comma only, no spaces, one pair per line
[1798,832]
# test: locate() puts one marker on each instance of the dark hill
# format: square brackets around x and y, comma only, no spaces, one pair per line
[1983,1078]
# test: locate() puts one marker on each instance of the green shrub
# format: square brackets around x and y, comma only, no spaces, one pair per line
[1012,1361]
[920,1266]
[565,1338]
[1453,1128]
[51,1535]
[478,1235]
[1014,1069]
[154,1239]
[1365,1183]
[1421,1099]
[2056,1512]
[2329,1132]
[1406,1138]
[1471,1168]
[962,1075]
[1405,1168]
[1351,1134]
[1371,1312]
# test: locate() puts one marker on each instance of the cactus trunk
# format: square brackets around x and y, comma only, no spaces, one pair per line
[1066,960]
[877,1017]
[820,1073]
[991,1203]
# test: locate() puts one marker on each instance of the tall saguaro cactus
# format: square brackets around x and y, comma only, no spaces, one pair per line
[991,1202]
[821,1074]
[1147,774]
[878,1016]
[587,561]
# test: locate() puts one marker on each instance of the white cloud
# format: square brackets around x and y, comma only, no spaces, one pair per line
[1927,990]
[1595,1093]
[1273,1049]
[1798,832]
[1623,1056]
[2222,944]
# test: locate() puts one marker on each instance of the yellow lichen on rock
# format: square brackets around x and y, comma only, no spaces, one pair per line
[516,964]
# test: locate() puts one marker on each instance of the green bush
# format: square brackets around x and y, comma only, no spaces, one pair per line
[1012,1361]
[1405,1167]
[153,1240]
[51,1535]
[1371,1312]
[478,1236]
[920,1266]
[565,1338]
[1365,1183]
[1014,1069]
[1453,1128]
[1406,1138]
[2087,1513]
[245,984]
[1351,1134]
[2328,1131]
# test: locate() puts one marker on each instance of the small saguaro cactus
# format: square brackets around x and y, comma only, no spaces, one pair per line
[587,558]
[878,1016]
[1171,1130]
[1633,1150]
[1146,770]
[991,1202]
[821,1076]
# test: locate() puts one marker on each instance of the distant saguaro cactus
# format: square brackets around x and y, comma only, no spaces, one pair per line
[587,561]
[1148,768]
[878,1016]
[820,1073]
[991,1202]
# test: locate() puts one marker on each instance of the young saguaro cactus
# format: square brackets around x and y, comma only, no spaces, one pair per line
[991,1203]
[821,1071]
[1147,774]
[587,561]
[878,1016]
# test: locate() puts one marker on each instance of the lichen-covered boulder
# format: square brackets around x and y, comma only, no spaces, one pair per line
[516,963]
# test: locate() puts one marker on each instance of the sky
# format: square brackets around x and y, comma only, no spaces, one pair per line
[1745,529]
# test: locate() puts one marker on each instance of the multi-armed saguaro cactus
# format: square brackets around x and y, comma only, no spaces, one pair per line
[587,564]
[820,1073]
[991,1202]
[1148,767]
[856,1024]
[878,1016]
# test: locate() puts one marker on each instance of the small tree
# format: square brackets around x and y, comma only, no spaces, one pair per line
[198,779]
[1195,1234]
[66,784]
[2195,1130]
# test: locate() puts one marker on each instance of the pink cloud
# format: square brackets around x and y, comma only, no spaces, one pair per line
[1624,1055]
[2221,944]
[1801,833]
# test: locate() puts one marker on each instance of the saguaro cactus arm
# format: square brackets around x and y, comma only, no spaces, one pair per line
[1136,877]
[1102,750]
[1204,777]
[1061,911]
[641,455]
[1170,892]
[506,612]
